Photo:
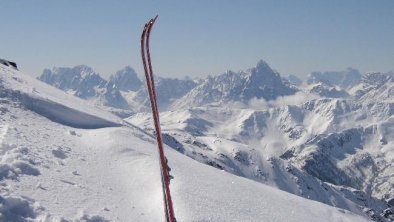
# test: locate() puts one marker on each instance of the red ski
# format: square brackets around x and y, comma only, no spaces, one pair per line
[165,176]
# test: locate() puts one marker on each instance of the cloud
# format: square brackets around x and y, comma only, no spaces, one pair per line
[296,99]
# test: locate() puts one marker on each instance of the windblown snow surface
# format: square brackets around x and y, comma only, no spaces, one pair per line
[62,160]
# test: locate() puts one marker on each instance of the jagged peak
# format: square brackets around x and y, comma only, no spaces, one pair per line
[126,71]
[263,69]
[126,79]
[83,67]
[80,70]
[262,64]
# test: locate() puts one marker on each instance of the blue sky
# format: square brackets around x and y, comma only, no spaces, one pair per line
[201,37]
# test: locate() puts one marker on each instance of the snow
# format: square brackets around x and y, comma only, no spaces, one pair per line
[53,104]
[55,171]
[283,142]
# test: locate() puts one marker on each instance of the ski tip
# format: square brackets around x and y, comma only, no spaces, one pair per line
[154,19]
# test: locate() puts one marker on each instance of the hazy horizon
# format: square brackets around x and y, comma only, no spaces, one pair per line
[200,38]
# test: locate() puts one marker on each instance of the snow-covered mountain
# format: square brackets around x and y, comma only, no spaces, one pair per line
[328,139]
[123,94]
[293,148]
[126,79]
[260,82]
[375,86]
[325,90]
[84,82]
[62,159]
[343,79]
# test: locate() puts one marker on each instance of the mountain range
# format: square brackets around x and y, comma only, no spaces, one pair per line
[328,138]
[64,159]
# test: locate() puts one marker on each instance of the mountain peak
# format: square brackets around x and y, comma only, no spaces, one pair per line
[126,79]
[260,82]
[83,68]
[261,64]
[263,69]
[78,78]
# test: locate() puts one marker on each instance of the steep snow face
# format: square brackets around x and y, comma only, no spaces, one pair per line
[126,79]
[343,79]
[53,172]
[346,158]
[258,82]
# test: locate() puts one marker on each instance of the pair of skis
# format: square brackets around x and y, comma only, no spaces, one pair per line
[165,176]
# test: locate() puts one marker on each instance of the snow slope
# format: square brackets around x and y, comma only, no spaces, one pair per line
[51,171]
[53,104]
[320,149]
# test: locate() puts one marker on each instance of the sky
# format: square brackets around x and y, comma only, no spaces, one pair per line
[201,37]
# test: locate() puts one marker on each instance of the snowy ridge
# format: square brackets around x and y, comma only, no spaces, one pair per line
[53,104]
[126,79]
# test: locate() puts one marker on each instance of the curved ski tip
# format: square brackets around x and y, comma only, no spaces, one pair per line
[154,19]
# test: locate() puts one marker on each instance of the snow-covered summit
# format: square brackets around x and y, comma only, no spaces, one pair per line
[126,79]
[258,82]
[262,82]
